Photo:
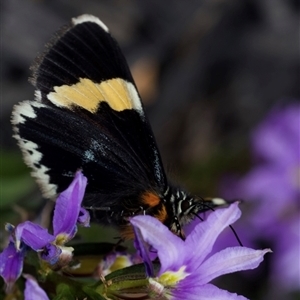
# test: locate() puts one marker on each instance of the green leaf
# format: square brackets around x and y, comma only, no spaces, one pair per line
[65,292]
[92,294]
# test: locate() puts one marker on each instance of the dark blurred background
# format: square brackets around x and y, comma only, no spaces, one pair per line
[207,71]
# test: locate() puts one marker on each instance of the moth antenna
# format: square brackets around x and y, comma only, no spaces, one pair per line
[230,226]
[197,216]
[236,236]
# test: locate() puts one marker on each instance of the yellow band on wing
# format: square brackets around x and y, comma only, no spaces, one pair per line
[86,94]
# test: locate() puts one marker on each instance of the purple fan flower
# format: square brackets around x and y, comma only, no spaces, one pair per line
[32,290]
[273,188]
[187,266]
[11,264]
[275,182]
[68,212]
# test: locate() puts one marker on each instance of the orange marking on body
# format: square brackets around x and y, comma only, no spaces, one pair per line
[126,232]
[162,214]
[151,199]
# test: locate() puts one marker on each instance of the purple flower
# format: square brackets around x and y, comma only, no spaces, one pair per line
[32,290]
[272,186]
[11,264]
[187,266]
[33,235]
[68,210]
[66,214]
[274,182]
[286,260]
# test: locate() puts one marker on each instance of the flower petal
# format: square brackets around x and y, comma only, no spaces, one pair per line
[276,139]
[32,290]
[202,239]
[286,255]
[33,235]
[68,206]
[84,218]
[170,248]
[11,264]
[230,260]
[51,254]
[205,292]
[142,249]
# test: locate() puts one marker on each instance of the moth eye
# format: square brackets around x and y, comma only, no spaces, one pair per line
[185,205]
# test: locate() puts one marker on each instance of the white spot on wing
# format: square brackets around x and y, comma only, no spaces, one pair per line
[136,101]
[24,110]
[32,158]
[38,95]
[31,154]
[90,154]
[89,18]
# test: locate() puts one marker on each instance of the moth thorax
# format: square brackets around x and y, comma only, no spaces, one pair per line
[180,207]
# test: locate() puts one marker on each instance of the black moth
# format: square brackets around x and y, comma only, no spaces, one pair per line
[87,115]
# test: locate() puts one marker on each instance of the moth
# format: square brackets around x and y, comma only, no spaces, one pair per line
[87,115]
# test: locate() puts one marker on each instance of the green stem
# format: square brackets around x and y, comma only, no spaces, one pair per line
[112,288]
